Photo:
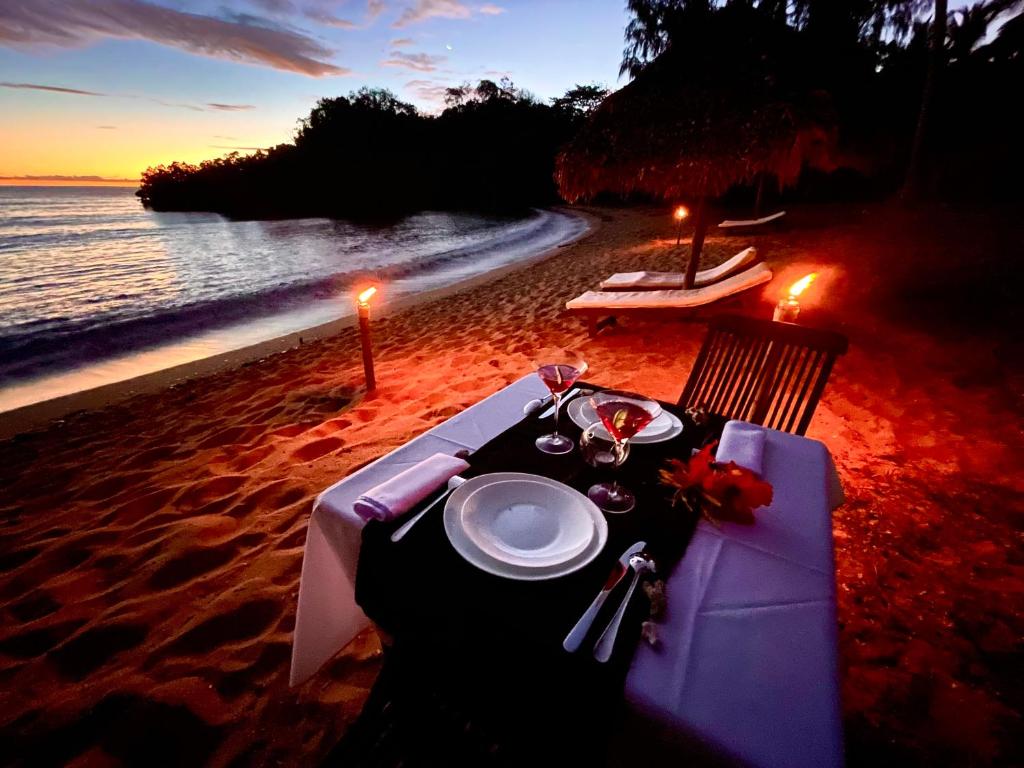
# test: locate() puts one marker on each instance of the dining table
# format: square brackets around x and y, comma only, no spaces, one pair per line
[745,669]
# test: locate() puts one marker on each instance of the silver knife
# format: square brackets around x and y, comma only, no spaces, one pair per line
[565,399]
[574,639]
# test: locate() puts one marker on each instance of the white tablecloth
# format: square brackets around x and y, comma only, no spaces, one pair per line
[747,666]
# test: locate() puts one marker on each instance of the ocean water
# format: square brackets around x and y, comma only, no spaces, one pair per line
[94,288]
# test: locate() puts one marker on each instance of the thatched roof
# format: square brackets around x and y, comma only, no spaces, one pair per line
[684,129]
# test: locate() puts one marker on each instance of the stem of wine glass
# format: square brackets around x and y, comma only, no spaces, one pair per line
[557,397]
[620,458]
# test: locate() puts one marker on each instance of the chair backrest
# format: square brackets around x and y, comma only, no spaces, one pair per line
[763,372]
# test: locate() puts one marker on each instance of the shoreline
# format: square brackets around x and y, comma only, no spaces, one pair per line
[34,416]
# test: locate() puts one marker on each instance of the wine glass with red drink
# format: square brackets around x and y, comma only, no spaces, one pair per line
[558,377]
[623,414]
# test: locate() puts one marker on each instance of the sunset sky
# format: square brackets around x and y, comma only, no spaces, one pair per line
[108,87]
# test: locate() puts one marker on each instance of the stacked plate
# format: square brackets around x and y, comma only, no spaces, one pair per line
[524,527]
[665,427]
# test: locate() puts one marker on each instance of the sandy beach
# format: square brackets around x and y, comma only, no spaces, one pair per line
[151,548]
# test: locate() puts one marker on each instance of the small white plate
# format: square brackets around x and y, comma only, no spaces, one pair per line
[473,554]
[527,523]
[665,427]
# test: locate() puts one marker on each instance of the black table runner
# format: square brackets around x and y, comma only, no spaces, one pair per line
[498,641]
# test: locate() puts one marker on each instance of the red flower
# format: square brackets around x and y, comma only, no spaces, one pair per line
[723,491]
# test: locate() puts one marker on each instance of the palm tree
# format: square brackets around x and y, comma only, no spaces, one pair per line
[936,59]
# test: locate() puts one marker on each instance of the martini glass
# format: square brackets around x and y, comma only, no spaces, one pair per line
[623,414]
[558,377]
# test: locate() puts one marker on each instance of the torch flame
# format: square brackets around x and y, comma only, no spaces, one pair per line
[801,285]
[682,212]
[365,296]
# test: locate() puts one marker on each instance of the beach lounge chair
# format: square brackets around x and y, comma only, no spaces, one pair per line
[739,223]
[600,307]
[646,281]
[763,372]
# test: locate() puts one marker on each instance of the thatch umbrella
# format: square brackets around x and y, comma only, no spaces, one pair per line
[686,128]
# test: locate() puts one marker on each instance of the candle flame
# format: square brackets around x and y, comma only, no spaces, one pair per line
[365,296]
[682,212]
[801,285]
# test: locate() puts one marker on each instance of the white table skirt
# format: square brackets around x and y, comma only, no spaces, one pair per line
[327,617]
[747,666]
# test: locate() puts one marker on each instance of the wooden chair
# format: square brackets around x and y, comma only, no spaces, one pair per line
[763,372]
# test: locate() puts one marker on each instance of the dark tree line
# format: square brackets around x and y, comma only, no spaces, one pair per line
[369,153]
[940,96]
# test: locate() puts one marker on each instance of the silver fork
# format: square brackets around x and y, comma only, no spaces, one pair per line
[641,563]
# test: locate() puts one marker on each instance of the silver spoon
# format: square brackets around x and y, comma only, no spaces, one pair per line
[642,564]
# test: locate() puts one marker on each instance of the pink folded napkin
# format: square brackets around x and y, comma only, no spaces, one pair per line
[743,443]
[393,498]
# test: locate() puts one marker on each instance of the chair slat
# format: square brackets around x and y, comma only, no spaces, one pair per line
[761,371]
[797,398]
[793,372]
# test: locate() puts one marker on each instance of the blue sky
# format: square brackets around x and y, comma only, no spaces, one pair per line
[109,87]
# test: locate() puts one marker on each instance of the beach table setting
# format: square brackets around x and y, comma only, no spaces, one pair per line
[555,574]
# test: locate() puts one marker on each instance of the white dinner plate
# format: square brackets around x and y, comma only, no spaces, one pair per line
[476,556]
[527,523]
[666,427]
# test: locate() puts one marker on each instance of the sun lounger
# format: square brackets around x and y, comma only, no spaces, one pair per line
[595,305]
[645,281]
[735,224]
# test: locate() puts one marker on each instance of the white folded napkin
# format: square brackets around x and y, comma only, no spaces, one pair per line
[743,443]
[393,498]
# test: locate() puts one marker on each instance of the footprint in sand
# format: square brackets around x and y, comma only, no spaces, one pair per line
[317,448]
[237,625]
[90,650]
[192,564]
[36,642]
[205,491]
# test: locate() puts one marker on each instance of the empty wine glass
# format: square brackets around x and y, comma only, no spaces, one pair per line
[558,375]
[623,414]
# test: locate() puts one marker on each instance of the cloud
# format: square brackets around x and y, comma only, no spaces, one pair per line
[73,23]
[421,62]
[491,10]
[431,91]
[107,127]
[398,42]
[321,16]
[422,10]
[213,105]
[51,88]
[375,8]
[235,149]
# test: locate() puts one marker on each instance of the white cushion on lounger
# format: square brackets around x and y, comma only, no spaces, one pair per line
[611,300]
[624,281]
[728,223]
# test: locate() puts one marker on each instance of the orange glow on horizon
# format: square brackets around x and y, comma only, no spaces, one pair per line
[681,212]
[365,296]
[801,285]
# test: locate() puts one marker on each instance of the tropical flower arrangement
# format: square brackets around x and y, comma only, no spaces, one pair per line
[719,492]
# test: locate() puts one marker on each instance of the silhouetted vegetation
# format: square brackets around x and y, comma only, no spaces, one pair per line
[865,62]
[369,153]
[871,58]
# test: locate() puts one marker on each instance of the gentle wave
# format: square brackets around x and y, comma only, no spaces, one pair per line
[87,274]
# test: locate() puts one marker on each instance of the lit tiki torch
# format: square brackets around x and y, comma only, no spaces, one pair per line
[788,308]
[363,306]
[681,213]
